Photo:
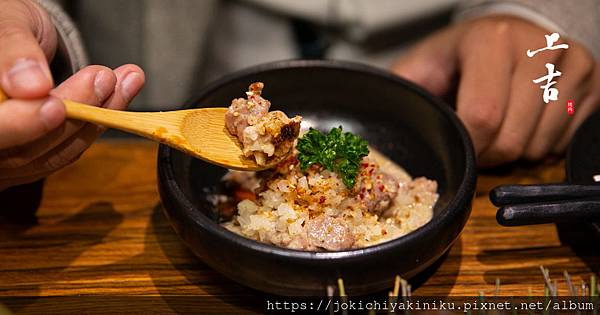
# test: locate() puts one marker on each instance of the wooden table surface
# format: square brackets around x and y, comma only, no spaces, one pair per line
[101,231]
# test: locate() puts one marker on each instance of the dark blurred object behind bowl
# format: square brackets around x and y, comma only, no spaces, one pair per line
[583,162]
[19,204]
[417,131]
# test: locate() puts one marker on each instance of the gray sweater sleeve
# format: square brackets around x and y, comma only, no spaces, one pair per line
[70,55]
[579,20]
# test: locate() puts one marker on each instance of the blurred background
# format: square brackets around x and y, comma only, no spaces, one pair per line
[184,44]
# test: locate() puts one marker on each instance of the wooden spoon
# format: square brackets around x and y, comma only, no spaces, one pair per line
[200,133]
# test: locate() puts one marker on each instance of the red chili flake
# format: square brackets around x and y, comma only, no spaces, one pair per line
[381,188]
[294,159]
[379,176]
[362,196]
[322,199]
[371,171]
[365,165]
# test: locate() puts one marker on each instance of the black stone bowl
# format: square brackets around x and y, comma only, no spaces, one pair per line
[416,130]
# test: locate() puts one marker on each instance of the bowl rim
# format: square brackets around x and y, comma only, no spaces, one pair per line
[465,189]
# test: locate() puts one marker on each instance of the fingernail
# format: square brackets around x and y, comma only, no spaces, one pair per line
[103,85]
[52,113]
[131,85]
[25,73]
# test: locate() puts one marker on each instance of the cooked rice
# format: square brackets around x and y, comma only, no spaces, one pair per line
[313,210]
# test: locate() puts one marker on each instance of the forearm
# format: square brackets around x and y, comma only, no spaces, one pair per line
[578,20]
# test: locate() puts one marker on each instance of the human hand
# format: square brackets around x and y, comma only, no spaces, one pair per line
[35,138]
[501,107]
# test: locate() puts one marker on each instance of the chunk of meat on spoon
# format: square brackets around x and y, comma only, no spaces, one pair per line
[264,135]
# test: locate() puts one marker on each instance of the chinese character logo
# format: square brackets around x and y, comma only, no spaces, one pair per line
[550,40]
[550,93]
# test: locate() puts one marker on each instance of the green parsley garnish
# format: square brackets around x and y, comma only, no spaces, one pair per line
[337,151]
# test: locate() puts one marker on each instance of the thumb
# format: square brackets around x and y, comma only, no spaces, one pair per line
[432,63]
[24,121]
[24,71]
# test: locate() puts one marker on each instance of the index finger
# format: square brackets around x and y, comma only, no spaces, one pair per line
[486,68]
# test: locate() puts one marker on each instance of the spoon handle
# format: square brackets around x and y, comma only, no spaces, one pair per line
[517,194]
[148,125]
[145,124]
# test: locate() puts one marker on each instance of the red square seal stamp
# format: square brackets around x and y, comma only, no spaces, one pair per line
[571,107]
